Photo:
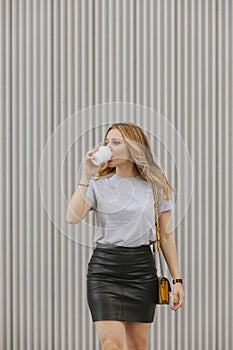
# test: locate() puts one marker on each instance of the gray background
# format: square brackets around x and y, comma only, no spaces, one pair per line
[60,57]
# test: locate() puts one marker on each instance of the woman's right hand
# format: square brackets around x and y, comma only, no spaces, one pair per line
[90,168]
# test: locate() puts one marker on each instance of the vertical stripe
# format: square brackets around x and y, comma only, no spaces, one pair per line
[169,62]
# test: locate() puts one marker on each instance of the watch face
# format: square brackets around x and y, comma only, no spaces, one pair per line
[179,280]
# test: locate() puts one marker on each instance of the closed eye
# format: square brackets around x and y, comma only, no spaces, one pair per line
[106,142]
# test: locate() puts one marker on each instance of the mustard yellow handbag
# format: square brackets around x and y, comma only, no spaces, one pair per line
[164,287]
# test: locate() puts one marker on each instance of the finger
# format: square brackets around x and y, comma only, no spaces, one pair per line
[175,297]
[92,151]
[90,154]
[175,306]
[178,303]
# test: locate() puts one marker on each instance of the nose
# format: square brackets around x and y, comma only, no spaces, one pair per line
[110,150]
[109,147]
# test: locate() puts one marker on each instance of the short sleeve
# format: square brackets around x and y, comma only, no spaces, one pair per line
[163,205]
[91,194]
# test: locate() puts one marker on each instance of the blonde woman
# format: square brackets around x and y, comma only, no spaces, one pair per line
[121,275]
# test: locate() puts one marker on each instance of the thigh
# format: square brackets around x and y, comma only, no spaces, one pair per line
[137,335]
[112,332]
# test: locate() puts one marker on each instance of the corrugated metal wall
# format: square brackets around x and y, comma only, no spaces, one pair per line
[60,57]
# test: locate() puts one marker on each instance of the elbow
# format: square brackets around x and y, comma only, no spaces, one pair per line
[167,237]
[72,222]
[70,219]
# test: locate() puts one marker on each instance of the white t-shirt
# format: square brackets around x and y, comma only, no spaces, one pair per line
[124,209]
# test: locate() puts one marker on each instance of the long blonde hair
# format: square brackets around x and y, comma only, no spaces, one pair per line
[140,151]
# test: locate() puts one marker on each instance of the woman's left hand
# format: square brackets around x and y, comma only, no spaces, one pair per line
[178,296]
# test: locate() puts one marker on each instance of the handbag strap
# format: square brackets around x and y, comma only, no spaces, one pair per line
[156,219]
[157,230]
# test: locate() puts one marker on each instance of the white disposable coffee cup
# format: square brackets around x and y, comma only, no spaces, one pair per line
[102,155]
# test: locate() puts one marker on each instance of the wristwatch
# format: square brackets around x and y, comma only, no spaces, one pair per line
[178,280]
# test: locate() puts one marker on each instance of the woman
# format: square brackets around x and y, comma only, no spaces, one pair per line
[122,276]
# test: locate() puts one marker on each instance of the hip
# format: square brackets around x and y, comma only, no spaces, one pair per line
[124,263]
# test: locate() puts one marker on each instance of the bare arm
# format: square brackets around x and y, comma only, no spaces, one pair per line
[168,244]
[169,249]
[79,205]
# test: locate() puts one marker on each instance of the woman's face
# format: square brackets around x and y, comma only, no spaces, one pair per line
[118,147]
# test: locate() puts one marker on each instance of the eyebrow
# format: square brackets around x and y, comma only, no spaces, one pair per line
[113,138]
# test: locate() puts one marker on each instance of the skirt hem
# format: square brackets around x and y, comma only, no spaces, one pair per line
[118,318]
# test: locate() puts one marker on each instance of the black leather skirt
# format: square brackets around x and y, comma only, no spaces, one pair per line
[122,283]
